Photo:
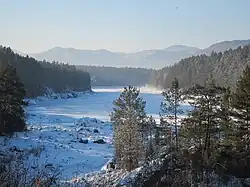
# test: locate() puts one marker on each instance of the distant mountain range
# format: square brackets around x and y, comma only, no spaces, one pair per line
[155,58]
[223,46]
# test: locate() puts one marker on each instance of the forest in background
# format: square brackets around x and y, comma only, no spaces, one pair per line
[39,75]
[225,67]
[113,76]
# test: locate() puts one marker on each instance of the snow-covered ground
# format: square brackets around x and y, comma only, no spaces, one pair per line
[66,129]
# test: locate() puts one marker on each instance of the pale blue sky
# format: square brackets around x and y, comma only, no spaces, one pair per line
[121,25]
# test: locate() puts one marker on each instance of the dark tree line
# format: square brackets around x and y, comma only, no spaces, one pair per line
[113,76]
[225,67]
[37,75]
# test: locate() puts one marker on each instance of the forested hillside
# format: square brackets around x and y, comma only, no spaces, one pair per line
[112,76]
[224,67]
[37,75]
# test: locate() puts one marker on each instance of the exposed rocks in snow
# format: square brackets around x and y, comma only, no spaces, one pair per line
[247,181]
[96,131]
[50,94]
[99,141]
[80,129]
[66,144]
[83,141]
[110,166]
[30,102]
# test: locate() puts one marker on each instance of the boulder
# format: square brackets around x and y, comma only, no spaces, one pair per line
[96,131]
[110,166]
[74,94]
[83,141]
[99,141]
[80,129]
[247,181]
[88,130]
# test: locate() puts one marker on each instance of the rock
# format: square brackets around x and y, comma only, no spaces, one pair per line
[110,165]
[15,149]
[93,120]
[247,181]
[82,124]
[74,94]
[88,130]
[49,166]
[69,95]
[83,141]
[80,129]
[2,168]
[100,141]
[96,131]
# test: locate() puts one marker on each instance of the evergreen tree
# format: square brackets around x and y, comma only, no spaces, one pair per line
[241,102]
[202,127]
[236,153]
[128,119]
[170,108]
[12,93]
[149,135]
[227,125]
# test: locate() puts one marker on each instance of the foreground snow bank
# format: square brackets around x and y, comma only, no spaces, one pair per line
[115,177]
[68,146]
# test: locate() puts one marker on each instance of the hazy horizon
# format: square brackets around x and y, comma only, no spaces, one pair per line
[66,47]
[121,26]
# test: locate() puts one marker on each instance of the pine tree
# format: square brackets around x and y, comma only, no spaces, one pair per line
[240,138]
[226,123]
[11,101]
[202,127]
[149,134]
[128,119]
[241,102]
[170,108]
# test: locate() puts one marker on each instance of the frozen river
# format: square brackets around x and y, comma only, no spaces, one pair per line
[97,105]
[67,129]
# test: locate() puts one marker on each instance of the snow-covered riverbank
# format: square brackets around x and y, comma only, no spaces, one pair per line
[66,129]
[67,145]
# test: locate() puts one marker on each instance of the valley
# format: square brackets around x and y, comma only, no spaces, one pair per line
[64,130]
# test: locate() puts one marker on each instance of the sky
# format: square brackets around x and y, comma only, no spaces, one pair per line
[32,26]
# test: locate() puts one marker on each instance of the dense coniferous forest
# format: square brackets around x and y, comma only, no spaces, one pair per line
[225,68]
[113,76]
[209,148]
[37,75]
